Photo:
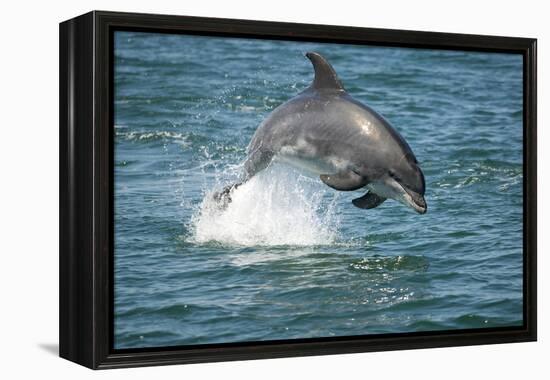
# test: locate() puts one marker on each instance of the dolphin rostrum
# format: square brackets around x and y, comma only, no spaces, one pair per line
[348,144]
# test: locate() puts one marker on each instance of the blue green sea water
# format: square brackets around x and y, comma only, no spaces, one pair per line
[290,257]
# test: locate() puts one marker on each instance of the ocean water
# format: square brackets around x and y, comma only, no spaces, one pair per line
[290,257]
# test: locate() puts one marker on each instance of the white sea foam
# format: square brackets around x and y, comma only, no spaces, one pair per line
[155,135]
[279,206]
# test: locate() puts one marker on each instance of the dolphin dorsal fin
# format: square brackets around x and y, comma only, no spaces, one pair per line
[325,76]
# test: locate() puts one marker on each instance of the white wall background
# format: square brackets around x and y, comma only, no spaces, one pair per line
[29,186]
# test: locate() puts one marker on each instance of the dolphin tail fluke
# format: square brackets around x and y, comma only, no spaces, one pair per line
[223,197]
[368,201]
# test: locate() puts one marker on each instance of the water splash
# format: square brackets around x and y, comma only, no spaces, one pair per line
[279,206]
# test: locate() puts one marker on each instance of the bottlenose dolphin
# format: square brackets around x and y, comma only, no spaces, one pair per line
[348,144]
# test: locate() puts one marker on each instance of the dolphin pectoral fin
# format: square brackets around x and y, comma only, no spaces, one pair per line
[369,200]
[345,181]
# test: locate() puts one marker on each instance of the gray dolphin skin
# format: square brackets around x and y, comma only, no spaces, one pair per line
[349,145]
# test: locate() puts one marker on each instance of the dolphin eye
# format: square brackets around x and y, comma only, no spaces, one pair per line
[393,175]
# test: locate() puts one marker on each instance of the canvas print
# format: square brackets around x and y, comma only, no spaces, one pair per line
[269,190]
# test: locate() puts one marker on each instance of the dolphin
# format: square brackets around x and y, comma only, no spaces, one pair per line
[346,143]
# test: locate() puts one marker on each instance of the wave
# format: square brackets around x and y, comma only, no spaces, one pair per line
[147,136]
[390,264]
[502,174]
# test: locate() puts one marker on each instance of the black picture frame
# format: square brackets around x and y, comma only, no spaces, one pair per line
[86,189]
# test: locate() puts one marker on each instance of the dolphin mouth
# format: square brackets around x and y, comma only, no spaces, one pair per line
[419,205]
[416,201]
